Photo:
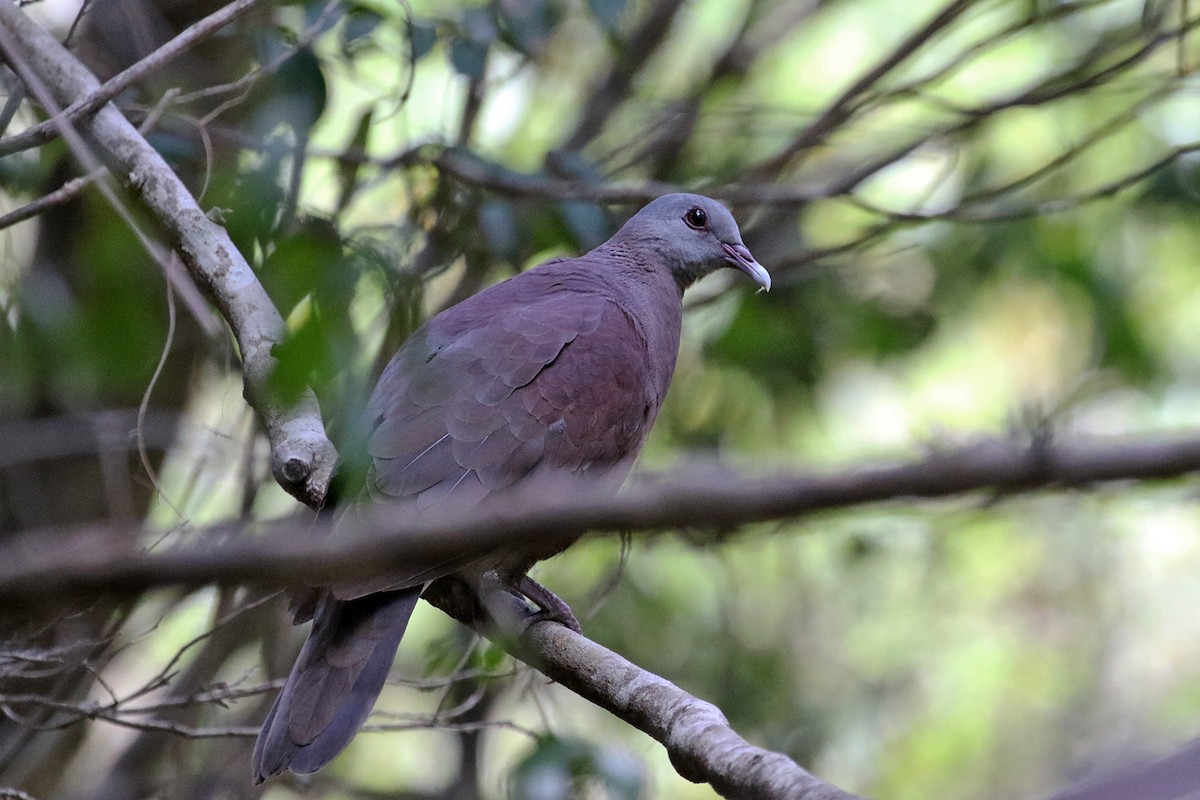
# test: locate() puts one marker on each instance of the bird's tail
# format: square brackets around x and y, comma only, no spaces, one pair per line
[335,682]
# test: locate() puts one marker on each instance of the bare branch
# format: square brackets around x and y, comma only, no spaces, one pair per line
[240,88]
[844,106]
[91,163]
[1044,17]
[302,458]
[57,197]
[99,95]
[967,211]
[293,551]
[82,711]
[702,746]
[615,87]
[31,440]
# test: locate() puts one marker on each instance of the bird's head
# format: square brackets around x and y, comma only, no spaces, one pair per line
[694,235]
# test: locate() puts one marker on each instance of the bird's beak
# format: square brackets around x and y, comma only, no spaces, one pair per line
[740,257]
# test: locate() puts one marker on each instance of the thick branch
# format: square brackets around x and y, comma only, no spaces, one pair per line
[697,737]
[294,551]
[302,458]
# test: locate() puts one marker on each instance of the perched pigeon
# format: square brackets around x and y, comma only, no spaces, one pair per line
[559,371]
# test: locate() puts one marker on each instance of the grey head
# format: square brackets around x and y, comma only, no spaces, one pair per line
[693,235]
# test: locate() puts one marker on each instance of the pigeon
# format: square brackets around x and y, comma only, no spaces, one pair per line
[555,373]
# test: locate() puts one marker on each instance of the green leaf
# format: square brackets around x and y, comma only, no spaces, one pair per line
[253,204]
[421,39]
[300,263]
[468,58]
[303,91]
[620,772]
[348,170]
[317,13]
[499,226]
[608,13]
[361,22]
[559,768]
[468,51]
[527,25]
[478,25]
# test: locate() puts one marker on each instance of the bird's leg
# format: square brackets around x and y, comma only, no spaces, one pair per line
[498,602]
[496,597]
[552,607]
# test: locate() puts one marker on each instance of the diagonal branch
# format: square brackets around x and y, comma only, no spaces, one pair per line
[616,85]
[845,105]
[91,101]
[302,457]
[696,735]
[702,746]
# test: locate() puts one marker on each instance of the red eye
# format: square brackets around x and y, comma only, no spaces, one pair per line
[696,218]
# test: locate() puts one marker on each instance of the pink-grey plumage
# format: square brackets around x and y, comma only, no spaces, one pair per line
[559,371]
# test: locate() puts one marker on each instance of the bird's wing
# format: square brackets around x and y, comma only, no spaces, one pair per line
[557,385]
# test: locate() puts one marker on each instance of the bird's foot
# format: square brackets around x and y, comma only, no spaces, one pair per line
[551,607]
[508,608]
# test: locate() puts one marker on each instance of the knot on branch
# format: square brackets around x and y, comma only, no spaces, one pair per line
[303,466]
[295,470]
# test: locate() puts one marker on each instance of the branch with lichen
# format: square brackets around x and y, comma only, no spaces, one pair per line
[302,457]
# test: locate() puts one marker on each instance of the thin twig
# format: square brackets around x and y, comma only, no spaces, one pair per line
[62,194]
[844,106]
[90,101]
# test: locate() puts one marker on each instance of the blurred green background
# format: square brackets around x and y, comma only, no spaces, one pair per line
[997,235]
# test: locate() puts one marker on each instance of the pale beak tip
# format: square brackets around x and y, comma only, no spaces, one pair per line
[741,258]
[761,277]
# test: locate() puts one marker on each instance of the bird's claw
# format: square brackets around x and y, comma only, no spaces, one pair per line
[551,607]
[547,615]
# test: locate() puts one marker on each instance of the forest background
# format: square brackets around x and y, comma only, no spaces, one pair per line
[980,217]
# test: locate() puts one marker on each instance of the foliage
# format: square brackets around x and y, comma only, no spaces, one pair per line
[995,234]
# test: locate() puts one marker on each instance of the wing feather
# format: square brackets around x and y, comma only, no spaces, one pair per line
[547,385]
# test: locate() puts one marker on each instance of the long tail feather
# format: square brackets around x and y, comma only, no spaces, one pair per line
[335,682]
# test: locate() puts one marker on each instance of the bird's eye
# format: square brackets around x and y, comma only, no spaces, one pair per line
[696,218]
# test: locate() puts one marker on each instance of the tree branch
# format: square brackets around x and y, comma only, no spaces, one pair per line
[615,87]
[845,105]
[61,195]
[697,737]
[293,551]
[302,457]
[90,101]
